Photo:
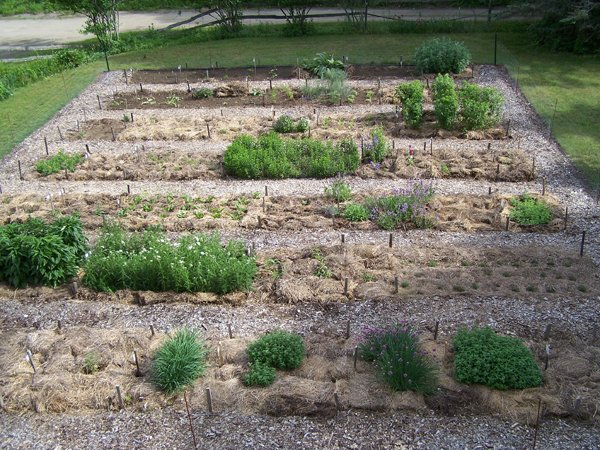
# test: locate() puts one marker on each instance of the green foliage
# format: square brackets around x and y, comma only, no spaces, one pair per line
[500,362]
[480,107]
[356,213]
[442,55]
[39,253]
[286,124]
[339,190]
[271,156]
[527,210]
[411,97]
[147,261]
[331,87]
[445,101]
[323,63]
[377,149]
[179,361]
[202,92]
[400,363]
[260,375]
[322,270]
[91,363]
[58,162]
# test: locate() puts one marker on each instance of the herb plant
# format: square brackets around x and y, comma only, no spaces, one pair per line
[445,101]
[527,210]
[286,124]
[202,92]
[480,107]
[339,190]
[58,162]
[411,97]
[375,149]
[356,213]
[442,55]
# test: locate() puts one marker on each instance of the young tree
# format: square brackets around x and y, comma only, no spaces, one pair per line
[296,15]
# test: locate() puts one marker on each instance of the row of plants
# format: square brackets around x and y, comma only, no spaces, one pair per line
[469,107]
[481,357]
[58,162]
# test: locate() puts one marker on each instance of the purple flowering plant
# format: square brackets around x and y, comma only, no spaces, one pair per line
[375,148]
[394,351]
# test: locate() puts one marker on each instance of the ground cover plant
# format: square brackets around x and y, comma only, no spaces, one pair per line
[286,124]
[271,156]
[394,351]
[58,162]
[411,97]
[442,55]
[500,362]
[41,253]
[275,350]
[147,261]
[480,107]
[179,361]
[526,210]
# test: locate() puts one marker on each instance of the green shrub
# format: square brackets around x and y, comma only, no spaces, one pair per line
[277,349]
[39,253]
[271,156]
[442,55]
[480,107]
[339,190]
[260,375]
[500,362]
[91,363]
[179,361]
[147,261]
[400,363]
[285,124]
[69,58]
[5,90]
[202,92]
[58,162]
[322,63]
[331,87]
[377,149]
[411,97]
[356,213]
[445,101]
[527,210]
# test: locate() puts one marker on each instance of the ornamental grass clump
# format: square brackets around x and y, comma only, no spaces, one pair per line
[179,361]
[394,351]
[148,261]
[275,350]
[272,156]
[35,252]
[500,362]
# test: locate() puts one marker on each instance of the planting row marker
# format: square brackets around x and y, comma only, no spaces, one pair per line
[152,330]
[208,129]
[489,190]
[209,400]
[391,240]
[66,174]
[582,243]
[230,331]
[396,282]
[566,216]
[99,102]
[131,117]
[119,397]
[435,330]
[58,326]
[187,408]
[20,173]
[507,222]
[347,330]
[346,286]
[355,357]
[189,89]
[125,73]
[46,145]
[343,238]
[141,88]
[29,358]
[138,372]
[60,132]
[266,191]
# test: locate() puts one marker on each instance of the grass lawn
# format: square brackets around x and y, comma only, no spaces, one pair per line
[544,77]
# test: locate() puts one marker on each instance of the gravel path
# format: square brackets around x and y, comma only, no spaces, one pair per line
[573,318]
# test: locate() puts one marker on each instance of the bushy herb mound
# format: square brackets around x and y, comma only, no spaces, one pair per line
[480,107]
[500,362]
[356,213]
[322,63]
[179,361]
[202,92]
[395,352]
[375,149]
[442,55]
[148,261]
[445,101]
[271,156]
[339,190]
[39,253]
[59,161]
[411,97]
[527,210]
[286,124]
[275,350]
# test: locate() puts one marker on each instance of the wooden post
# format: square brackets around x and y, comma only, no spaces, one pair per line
[566,217]
[537,424]
[20,172]
[66,175]
[347,330]
[29,358]
[543,186]
[209,401]
[229,330]
[60,135]
[343,238]
[58,326]
[435,330]
[396,284]
[99,102]
[508,128]
[46,145]
[489,190]
[266,191]
[125,73]
[128,190]
[270,84]
[338,405]
[507,222]
[152,331]
[582,243]
[391,240]
[138,372]
[208,129]
[112,131]
[355,357]
[131,117]
[533,168]
[141,88]
[189,88]
[346,286]
[187,408]
[119,397]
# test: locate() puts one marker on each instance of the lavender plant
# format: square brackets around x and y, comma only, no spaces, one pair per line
[375,149]
[394,350]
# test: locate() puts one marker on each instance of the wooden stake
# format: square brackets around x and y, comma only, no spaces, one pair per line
[507,222]
[346,286]
[343,238]
[435,330]
[230,331]
[29,358]
[396,284]
[566,217]
[508,128]
[119,397]
[138,372]
[58,326]
[266,191]
[543,186]
[348,330]
[189,88]
[152,330]
[391,240]
[355,357]
[46,145]
[20,173]
[209,401]
[99,102]
[489,190]
[131,117]
[125,73]
[141,88]
[338,405]
[537,424]
[66,175]
[208,129]
[128,190]
[533,168]
[112,131]
[60,132]
[582,243]
[187,408]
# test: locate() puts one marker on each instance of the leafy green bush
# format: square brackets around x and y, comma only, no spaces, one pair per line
[202,92]
[403,206]
[271,156]
[377,149]
[275,350]
[147,261]
[339,190]
[39,253]
[356,213]
[395,352]
[500,362]
[442,55]
[179,361]
[411,97]
[285,124]
[445,101]
[527,210]
[322,63]
[58,162]
[480,107]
